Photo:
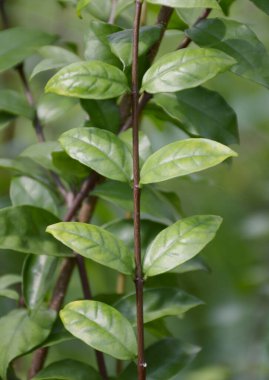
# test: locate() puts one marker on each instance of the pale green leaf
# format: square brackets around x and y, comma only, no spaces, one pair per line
[102,327]
[6,281]
[81,4]
[187,3]
[94,243]
[184,69]
[262,4]
[145,149]
[14,103]
[9,293]
[51,107]
[179,243]
[21,332]
[101,150]
[183,157]
[41,153]
[89,80]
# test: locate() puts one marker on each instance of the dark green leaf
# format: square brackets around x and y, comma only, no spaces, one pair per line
[158,303]
[89,80]
[165,359]
[94,243]
[68,369]
[20,333]
[96,43]
[58,334]
[262,4]
[225,6]
[184,69]
[28,191]
[102,327]
[22,229]
[14,103]
[186,3]
[179,243]
[183,157]
[121,42]
[203,112]
[68,168]
[101,150]
[37,277]
[237,40]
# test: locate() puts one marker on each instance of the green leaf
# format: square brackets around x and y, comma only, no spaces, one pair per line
[51,107]
[104,114]
[203,112]
[28,191]
[58,334]
[225,6]
[22,229]
[195,264]
[100,9]
[5,282]
[20,333]
[179,243]
[89,80]
[96,43]
[16,44]
[94,243]
[145,149]
[6,119]
[187,3]
[14,103]
[37,277]
[41,153]
[81,4]
[184,69]
[68,168]
[55,58]
[9,293]
[262,4]
[165,359]
[68,369]
[183,157]
[102,327]
[237,40]
[121,42]
[101,150]
[158,303]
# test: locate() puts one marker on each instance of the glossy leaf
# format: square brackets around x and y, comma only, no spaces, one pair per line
[202,111]
[55,58]
[237,40]
[184,69]
[158,303]
[187,3]
[102,327]
[16,44]
[165,359]
[21,332]
[14,103]
[68,369]
[37,277]
[96,43]
[101,150]
[6,281]
[94,243]
[28,191]
[262,4]
[179,243]
[22,229]
[183,157]
[89,80]
[121,42]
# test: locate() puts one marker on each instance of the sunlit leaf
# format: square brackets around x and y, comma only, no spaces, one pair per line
[187,3]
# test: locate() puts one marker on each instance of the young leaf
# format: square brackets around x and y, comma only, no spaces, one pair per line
[21,332]
[89,80]
[68,369]
[101,150]
[96,43]
[262,4]
[81,4]
[184,69]
[5,282]
[121,42]
[37,277]
[158,303]
[202,111]
[187,3]
[179,243]
[16,44]
[22,229]
[183,157]
[94,243]
[28,191]
[165,359]
[101,327]
[14,103]
[237,40]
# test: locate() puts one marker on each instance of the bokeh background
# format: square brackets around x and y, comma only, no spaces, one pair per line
[232,328]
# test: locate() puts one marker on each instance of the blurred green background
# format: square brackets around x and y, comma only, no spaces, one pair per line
[232,328]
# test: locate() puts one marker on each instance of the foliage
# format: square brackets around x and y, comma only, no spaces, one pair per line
[59,189]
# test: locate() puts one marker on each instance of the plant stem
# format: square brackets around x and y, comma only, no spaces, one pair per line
[139,281]
[113,11]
